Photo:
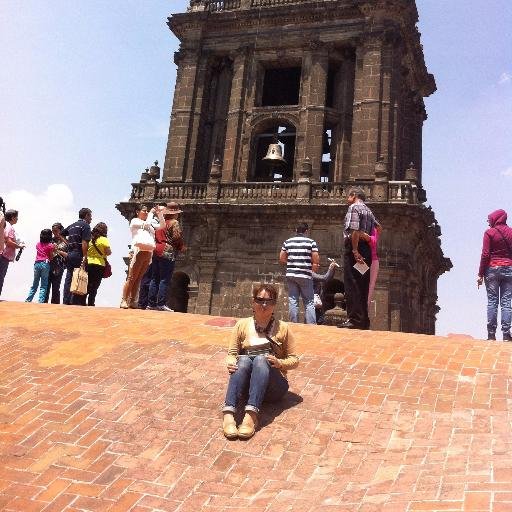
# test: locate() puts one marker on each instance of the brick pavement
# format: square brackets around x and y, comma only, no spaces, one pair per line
[114,410]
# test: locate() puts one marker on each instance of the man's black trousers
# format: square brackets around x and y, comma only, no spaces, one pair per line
[356,285]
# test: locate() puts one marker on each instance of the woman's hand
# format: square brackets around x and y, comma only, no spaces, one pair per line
[274,362]
[479,281]
[232,368]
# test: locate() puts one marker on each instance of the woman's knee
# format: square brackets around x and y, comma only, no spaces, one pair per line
[244,363]
[260,361]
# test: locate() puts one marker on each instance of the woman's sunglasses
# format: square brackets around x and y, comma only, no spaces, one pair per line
[262,301]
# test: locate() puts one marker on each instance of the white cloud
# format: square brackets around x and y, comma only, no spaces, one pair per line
[507,172]
[505,78]
[37,211]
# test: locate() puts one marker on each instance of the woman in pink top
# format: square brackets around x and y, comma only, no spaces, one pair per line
[44,253]
[373,240]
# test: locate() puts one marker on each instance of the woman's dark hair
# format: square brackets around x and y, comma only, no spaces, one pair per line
[99,230]
[10,215]
[46,236]
[271,289]
[58,225]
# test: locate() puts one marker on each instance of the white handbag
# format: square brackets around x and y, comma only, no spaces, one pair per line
[79,281]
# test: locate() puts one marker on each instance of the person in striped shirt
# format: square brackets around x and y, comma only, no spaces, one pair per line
[300,255]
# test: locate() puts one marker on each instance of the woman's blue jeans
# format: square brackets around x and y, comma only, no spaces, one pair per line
[256,377]
[498,283]
[41,273]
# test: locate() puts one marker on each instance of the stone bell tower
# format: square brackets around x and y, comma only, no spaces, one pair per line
[339,85]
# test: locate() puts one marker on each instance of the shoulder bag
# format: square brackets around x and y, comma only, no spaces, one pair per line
[107,271]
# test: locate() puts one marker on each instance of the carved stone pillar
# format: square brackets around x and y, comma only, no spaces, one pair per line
[235,116]
[373,131]
[177,153]
[312,126]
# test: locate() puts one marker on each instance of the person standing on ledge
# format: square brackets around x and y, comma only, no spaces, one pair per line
[496,268]
[78,235]
[11,244]
[300,255]
[359,220]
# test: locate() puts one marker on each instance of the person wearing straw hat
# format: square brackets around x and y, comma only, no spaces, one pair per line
[169,242]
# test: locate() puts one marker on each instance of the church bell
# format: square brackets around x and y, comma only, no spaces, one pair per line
[274,155]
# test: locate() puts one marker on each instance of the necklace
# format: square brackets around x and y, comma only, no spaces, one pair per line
[264,330]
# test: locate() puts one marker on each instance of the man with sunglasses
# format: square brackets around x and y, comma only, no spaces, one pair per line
[300,255]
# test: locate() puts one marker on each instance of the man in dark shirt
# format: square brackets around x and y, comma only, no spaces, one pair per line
[78,236]
[358,220]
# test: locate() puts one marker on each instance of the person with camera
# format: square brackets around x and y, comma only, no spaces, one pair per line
[11,243]
[261,351]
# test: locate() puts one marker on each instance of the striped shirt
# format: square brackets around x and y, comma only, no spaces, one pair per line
[299,250]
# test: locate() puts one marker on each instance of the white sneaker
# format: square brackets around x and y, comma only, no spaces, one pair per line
[165,308]
[124,304]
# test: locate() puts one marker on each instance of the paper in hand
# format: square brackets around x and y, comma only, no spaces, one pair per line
[362,268]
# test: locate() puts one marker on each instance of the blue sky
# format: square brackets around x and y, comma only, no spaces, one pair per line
[87,89]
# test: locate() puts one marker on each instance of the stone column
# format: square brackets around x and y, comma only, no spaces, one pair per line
[372,133]
[313,91]
[195,117]
[235,116]
[175,164]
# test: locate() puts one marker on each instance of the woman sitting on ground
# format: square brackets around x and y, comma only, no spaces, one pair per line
[261,351]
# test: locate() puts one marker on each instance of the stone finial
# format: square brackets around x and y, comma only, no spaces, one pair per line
[306,170]
[381,170]
[411,173]
[337,315]
[216,169]
[144,176]
[154,172]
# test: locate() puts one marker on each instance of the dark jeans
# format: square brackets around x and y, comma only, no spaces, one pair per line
[255,375]
[94,275]
[54,286]
[74,260]
[160,279]
[144,286]
[4,264]
[357,285]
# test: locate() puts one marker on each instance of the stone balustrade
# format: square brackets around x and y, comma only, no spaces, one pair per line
[231,5]
[404,192]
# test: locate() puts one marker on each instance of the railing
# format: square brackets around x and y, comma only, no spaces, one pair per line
[257,191]
[137,191]
[230,5]
[329,190]
[404,192]
[272,3]
[181,191]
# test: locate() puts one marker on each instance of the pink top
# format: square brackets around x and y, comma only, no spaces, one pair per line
[497,244]
[44,252]
[9,252]
[374,240]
